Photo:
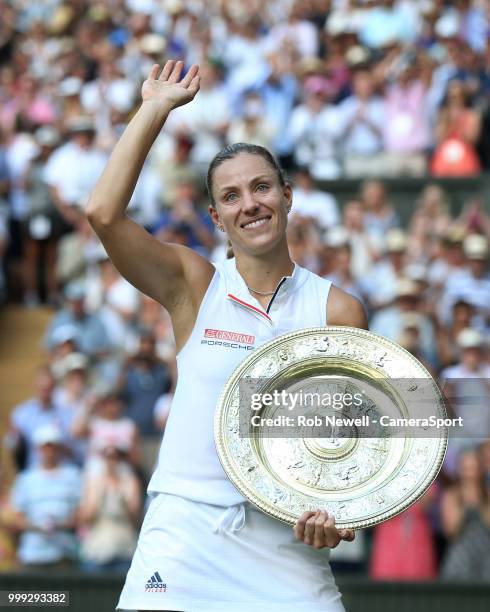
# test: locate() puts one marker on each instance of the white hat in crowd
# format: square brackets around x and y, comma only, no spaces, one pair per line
[475,246]
[469,338]
[47,434]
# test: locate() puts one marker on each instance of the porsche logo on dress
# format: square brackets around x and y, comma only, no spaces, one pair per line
[220,334]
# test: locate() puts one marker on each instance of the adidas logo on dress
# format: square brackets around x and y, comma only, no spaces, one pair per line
[155,584]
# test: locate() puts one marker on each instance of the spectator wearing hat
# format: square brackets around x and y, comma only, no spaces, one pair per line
[43,224]
[467,387]
[45,499]
[74,168]
[29,416]
[361,117]
[69,91]
[70,396]
[380,284]
[110,513]
[91,336]
[472,282]
[391,321]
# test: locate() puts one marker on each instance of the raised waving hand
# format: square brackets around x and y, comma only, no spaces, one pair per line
[167,88]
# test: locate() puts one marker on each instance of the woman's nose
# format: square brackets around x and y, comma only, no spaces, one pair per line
[249,203]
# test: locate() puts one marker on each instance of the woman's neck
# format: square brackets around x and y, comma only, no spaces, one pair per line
[264,273]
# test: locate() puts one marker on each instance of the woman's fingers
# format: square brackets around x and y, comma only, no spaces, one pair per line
[299,528]
[310,529]
[192,72]
[319,536]
[154,72]
[167,70]
[175,74]
[332,536]
[347,534]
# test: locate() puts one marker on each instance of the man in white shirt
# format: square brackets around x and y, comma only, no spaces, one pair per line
[310,202]
[73,169]
[361,119]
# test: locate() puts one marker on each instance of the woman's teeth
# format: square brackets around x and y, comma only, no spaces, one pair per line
[256,223]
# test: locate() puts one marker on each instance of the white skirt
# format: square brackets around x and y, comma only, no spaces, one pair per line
[193,556]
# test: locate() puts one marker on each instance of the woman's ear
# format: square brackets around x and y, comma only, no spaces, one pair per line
[213,213]
[288,195]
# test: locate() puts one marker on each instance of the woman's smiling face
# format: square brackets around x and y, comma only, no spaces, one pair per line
[251,203]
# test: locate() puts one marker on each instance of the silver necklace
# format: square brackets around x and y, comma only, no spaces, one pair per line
[261,292]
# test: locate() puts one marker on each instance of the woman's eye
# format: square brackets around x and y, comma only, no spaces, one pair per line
[262,187]
[230,197]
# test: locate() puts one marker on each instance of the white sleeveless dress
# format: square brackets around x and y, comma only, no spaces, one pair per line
[202,546]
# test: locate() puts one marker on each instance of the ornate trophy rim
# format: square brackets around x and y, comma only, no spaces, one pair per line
[236,472]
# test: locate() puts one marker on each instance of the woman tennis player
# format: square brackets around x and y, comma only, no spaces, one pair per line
[202,545]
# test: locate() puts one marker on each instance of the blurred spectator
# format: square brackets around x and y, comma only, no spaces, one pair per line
[404,547]
[311,202]
[206,119]
[31,415]
[406,124]
[379,214]
[102,423]
[365,248]
[91,335]
[252,126]
[380,285]
[458,132]
[44,224]
[465,513]
[45,499]
[361,118]
[109,513]
[70,396]
[74,168]
[144,379]
[392,323]
[467,386]
[471,283]
[113,300]
[185,222]
[430,220]
[314,129]
[341,275]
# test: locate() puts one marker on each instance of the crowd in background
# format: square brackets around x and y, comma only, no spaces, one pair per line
[335,88]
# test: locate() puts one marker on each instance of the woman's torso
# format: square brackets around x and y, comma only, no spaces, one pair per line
[230,324]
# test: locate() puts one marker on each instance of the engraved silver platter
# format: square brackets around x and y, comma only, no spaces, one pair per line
[361,475]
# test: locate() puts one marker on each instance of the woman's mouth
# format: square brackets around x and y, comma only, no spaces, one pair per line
[256,223]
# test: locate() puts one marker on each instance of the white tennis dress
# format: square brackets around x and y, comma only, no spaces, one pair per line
[202,546]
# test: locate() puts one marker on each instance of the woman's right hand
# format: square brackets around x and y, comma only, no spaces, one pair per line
[168,90]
